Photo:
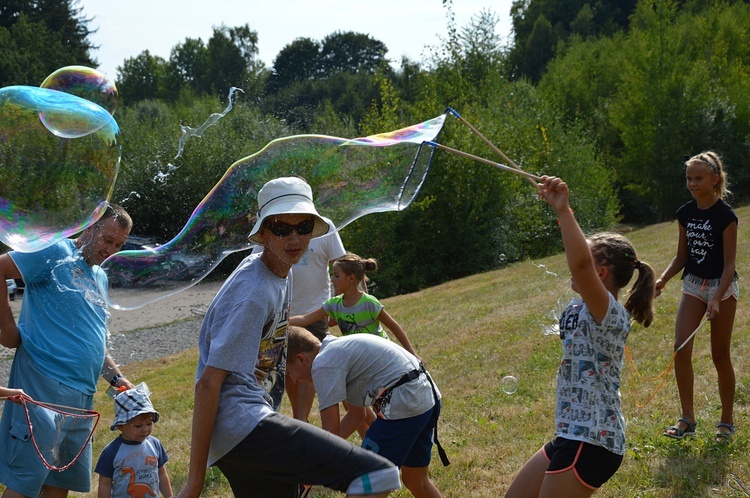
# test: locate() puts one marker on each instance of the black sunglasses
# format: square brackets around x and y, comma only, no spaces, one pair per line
[281,229]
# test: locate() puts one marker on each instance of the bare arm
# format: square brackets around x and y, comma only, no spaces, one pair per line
[587,276]
[330,420]
[165,485]
[727,274]
[206,405]
[352,419]
[105,487]
[10,337]
[14,395]
[677,263]
[397,330]
[110,370]
[308,318]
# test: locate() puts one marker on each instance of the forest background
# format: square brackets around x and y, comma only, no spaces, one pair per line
[612,96]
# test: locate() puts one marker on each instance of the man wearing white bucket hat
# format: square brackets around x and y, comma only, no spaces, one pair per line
[235,426]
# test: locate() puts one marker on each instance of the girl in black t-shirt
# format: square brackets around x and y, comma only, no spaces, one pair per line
[706,250]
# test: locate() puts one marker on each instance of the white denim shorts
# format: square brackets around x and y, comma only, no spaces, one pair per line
[705,288]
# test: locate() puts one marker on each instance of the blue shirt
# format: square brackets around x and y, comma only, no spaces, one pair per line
[133,467]
[63,315]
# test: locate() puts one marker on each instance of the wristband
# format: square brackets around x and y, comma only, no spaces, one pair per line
[113,380]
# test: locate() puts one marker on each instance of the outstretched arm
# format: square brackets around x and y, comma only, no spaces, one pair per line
[397,330]
[308,318]
[13,395]
[587,276]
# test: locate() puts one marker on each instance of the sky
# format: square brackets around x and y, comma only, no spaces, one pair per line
[125,29]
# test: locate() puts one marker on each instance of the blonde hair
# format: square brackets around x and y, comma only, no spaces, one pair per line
[351,264]
[617,253]
[713,162]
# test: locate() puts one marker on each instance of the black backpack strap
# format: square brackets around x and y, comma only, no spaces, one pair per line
[441,452]
[408,377]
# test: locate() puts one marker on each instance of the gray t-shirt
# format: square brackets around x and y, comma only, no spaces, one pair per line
[245,329]
[356,368]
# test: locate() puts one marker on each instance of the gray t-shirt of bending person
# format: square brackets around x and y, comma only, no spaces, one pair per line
[356,368]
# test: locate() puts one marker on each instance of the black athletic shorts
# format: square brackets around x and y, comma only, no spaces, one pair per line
[593,465]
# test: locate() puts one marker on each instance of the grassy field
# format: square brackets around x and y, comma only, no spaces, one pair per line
[473,332]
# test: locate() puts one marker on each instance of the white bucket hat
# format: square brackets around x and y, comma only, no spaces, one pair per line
[288,195]
[131,403]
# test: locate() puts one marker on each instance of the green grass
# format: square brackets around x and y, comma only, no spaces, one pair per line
[471,333]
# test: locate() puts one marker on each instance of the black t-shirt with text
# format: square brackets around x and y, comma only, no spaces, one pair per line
[704,229]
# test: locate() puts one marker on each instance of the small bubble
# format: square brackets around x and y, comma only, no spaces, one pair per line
[509,384]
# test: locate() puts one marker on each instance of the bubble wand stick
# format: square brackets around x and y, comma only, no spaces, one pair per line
[508,160]
[483,160]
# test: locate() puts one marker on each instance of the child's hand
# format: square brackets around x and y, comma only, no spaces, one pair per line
[659,286]
[712,309]
[16,395]
[555,192]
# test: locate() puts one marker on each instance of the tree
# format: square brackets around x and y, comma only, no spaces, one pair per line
[59,17]
[29,53]
[351,52]
[296,62]
[226,63]
[39,37]
[539,25]
[188,63]
[142,77]
[674,85]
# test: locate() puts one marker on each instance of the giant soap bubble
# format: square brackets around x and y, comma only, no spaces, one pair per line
[84,82]
[349,177]
[59,157]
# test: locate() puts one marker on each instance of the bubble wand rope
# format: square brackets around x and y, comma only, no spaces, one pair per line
[508,160]
[82,413]
[483,160]
[634,370]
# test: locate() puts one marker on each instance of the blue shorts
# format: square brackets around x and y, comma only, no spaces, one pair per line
[704,289]
[405,442]
[592,464]
[21,469]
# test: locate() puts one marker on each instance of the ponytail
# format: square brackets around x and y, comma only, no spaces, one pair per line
[640,301]
[617,252]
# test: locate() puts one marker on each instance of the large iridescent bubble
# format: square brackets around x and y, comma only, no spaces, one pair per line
[350,178]
[59,157]
[84,82]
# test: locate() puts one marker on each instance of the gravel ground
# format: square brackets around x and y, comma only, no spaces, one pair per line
[139,345]
[162,328]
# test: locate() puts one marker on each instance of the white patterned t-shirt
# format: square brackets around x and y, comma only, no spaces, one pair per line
[588,381]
